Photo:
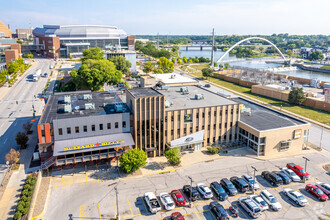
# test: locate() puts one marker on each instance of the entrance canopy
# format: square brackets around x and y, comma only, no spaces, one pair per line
[87,144]
[194,138]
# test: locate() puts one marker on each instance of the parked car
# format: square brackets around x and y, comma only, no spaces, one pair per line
[298,170]
[152,202]
[219,211]
[177,216]
[178,198]
[204,191]
[250,207]
[260,202]
[270,200]
[284,177]
[218,191]
[207,85]
[295,196]
[191,192]
[167,201]
[325,187]
[252,183]
[228,186]
[291,174]
[239,184]
[272,178]
[316,191]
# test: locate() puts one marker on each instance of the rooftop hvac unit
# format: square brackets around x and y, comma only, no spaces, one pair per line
[199,96]
[164,87]
[184,90]
[167,104]
[119,108]
[173,76]
[87,96]
[67,108]
[67,99]
[89,106]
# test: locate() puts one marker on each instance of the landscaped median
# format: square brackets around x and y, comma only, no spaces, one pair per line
[316,115]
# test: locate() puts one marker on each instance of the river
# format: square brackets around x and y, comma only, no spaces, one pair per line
[256,63]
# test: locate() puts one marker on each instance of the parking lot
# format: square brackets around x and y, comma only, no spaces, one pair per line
[76,198]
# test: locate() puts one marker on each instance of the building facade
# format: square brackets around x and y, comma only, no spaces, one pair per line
[9,52]
[24,33]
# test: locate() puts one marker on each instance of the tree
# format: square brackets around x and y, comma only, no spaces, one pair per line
[173,156]
[138,45]
[316,55]
[70,56]
[13,156]
[95,53]
[121,63]
[157,71]
[173,60]
[76,79]
[261,49]
[207,72]
[215,64]
[179,61]
[185,60]
[296,96]
[148,67]
[22,139]
[289,53]
[227,65]
[190,60]
[132,160]
[19,42]
[27,127]
[220,65]
[165,65]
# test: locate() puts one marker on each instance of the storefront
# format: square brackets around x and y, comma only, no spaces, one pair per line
[192,142]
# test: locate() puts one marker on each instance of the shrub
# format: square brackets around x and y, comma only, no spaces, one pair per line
[213,150]
[173,156]
[132,160]
[25,193]
[17,215]
[25,211]
[20,208]
[21,203]
[27,187]
[23,198]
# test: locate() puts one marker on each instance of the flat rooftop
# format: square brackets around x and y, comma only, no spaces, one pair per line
[144,92]
[262,118]
[180,100]
[82,104]
[173,78]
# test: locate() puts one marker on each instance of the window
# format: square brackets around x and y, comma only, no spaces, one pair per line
[172,132]
[203,127]
[124,124]
[215,113]
[208,140]
[220,126]
[109,125]
[178,117]
[85,128]
[190,129]
[116,124]
[101,127]
[197,115]
[203,115]
[165,118]
[68,130]
[172,118]
[214,126]
[60,131]
[165,133]
[184,131]
[196,128]
[93,127]
[77,129]
[208,127]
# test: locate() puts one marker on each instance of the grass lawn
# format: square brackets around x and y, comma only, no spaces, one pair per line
[199,66]
[325,67]
[317,115]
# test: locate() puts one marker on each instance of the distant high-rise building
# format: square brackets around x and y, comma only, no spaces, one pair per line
[24,33]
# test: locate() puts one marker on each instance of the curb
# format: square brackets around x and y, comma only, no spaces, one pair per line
[41,215]
[160,172]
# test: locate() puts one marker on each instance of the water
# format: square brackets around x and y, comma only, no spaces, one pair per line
[255,63]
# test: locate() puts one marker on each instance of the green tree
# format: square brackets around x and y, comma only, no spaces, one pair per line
[220,65]
[316,55]
[179,61]
[261,49]
[95,53]
[157,71]
[19,42]
[296,96]
[190,60]
[138,45]
[70,56]
[77,80]
[207,72]
[173,156]
[289,53]
[165,65]
[227,65]
[185,60]
[173,60]
[121,63]
[148,67]
[22,139]
[133,160]
[215,64]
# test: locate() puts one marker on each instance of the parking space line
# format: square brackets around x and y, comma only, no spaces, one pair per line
[145,207]
[82,212]
[98,207]
[130,208]
[197,216]
[241,211]
[114,206]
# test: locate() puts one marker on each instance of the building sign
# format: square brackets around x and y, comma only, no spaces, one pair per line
[297,134]
[87,146]
[188,118]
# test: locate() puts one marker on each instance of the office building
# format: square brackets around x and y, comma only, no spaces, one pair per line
[9,51]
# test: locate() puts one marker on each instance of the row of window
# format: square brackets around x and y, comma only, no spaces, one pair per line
[93,127]
[203,115]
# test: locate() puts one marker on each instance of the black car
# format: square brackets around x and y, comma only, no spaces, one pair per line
[194,193]
[228,186]
[239,184]
[219,211]
[285,178]
[272,178]
[218,190]
[207,85]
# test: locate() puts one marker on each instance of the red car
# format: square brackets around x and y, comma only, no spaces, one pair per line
[177,216]
[298,170]
[178,198]
[316,192]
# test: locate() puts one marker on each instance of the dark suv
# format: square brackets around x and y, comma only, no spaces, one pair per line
[218,190]
[228,186]
[239,184]
[285,178]
[191,191]
[272,178]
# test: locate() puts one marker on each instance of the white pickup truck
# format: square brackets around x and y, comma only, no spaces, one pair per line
[152,202]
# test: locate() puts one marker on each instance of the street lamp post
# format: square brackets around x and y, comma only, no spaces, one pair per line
[306,159]
[190,191]
[254,177]
[117,214]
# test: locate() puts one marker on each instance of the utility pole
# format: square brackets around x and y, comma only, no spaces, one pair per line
[190,191]
[306,159]
[254,178]
[212,53]
[117,214]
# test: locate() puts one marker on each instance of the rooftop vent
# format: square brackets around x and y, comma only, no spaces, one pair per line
[67,99]
[184,90]
[164,87]
[119,108]
[167,104]
[89,106]
[199,96]
[173,76]
[67,108]
[87,96]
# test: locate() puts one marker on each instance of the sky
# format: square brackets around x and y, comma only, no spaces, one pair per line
[175,17]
